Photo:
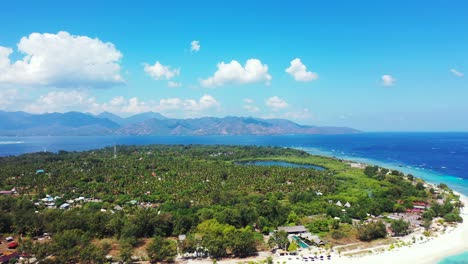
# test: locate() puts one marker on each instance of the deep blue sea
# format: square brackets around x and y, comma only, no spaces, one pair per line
[435,157]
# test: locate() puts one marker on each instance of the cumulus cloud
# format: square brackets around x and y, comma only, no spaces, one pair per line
[250,106]
[456,73]
[388,80]
[62,60]
[276,103]
[62,101]
[235,73]
[172,84]
[299,71]
[159,71]
[205,102]
[195,46]
[78,100]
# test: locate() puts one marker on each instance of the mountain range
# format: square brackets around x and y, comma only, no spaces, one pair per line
[149,123]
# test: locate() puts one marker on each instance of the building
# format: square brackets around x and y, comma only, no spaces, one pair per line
[64,206]
[293,229]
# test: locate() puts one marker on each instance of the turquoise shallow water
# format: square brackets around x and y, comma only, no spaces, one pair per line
[434,157]
[456,183]
[457,259]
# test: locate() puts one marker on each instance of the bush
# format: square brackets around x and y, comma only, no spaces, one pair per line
[451,217]
[336,234]
[373,230]
[400,227]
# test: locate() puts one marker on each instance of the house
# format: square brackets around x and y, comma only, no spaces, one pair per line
[9,239]
[118,208]
[6,192]
[12,245]
[293,229]
[40,171]
[347,204]
[65,206]
[339,203]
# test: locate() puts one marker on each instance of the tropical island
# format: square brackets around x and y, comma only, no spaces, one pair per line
[194,203]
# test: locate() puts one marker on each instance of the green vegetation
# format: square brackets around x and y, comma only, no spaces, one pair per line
[372,230]
[161,250]
[400,227]
[164,191]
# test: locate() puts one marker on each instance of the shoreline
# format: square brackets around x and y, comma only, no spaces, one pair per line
[452,242]
[429,251]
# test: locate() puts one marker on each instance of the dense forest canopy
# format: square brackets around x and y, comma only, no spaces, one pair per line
[164,191]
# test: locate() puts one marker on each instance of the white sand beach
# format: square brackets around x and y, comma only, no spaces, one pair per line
[452,242]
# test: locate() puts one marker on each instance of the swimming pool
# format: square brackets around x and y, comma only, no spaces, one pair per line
[301,243]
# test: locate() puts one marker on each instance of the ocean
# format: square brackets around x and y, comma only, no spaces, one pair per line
[434,157]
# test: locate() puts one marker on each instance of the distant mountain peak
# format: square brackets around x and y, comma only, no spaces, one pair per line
[150,123]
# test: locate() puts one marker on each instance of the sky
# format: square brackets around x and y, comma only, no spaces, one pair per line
[371,65]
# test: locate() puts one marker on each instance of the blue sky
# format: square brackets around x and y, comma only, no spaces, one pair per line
[371,65]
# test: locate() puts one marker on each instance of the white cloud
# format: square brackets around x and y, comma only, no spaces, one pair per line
[388,80]
[299,71]
[276,103]
[204,103]
[195,46]
[76,100]
[172,84]
[8,97]
[456,73]
[248,101]
[159,71]
[301,115]
[250,105]
[61,101]
[62,60]
[234,73]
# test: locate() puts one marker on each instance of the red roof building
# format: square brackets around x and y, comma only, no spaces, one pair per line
[12,245]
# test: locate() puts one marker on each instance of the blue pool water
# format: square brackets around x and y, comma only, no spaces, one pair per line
[301,243]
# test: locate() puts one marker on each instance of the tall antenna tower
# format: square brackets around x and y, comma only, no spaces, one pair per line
[115,151]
